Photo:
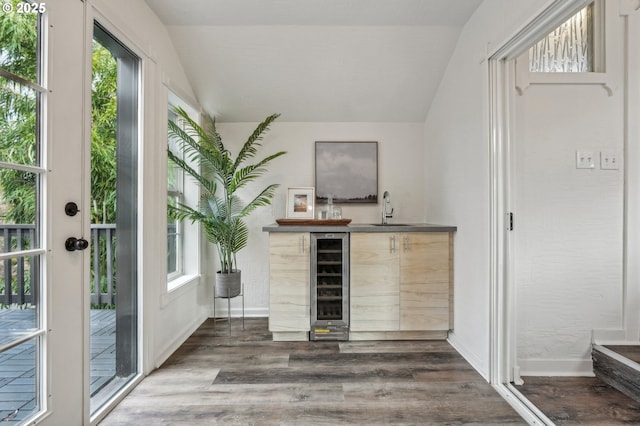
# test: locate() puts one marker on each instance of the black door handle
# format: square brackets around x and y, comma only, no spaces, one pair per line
[73,244]
[71,209]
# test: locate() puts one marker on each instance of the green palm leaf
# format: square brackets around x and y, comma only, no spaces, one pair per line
[221,210]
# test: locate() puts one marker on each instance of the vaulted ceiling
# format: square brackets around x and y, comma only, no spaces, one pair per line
[315,60]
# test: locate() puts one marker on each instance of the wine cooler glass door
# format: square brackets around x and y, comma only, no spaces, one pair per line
[330,301]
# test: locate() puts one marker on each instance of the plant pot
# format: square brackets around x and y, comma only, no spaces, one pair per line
[228,285]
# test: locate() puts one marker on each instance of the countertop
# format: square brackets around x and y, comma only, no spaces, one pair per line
[361,227]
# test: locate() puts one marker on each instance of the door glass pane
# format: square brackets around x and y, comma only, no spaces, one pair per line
[18,109]
[569,48]
[19,190]
[114,340]
[21,326]
[19,45]
[18,276]
[16,323]
[19,392]
[103,222]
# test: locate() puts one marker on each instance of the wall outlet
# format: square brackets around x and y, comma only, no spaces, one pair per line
[609,160]
[585,160]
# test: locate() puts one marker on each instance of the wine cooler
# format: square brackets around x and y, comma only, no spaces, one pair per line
[329,286]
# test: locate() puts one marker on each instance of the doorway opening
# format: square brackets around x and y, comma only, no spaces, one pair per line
[114,158]
[526,238]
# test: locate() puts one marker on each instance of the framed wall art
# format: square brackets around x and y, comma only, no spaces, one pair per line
[348,171]
[300,203]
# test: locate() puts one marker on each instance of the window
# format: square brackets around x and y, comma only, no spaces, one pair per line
[183,238]
[570,47]
[573,53]
[175,195]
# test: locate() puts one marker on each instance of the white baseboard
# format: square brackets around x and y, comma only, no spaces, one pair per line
[556,367]
[614,337]
[481,367]
[236,312]
[180,338]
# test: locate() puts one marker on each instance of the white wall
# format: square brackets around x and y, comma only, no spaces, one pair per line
[632,147]
[595,282]
[569,223]
[457,167]
[168,318]
[568,243]
[400,170]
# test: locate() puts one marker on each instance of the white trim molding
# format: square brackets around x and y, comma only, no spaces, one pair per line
[526,79]
[611,337]
[571,367]
[470,357]
[631,10]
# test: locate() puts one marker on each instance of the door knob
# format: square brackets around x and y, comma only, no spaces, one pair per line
[73,244]
[71,209]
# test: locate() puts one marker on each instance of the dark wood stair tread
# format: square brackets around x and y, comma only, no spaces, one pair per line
[616,369]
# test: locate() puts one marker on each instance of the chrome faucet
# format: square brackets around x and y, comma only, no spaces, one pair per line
[386,203]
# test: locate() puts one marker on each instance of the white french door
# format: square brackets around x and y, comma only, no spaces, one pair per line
[48,273]
[42,161]
[66,151]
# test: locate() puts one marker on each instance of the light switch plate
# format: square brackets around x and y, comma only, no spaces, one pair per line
[585,160]
[609,160]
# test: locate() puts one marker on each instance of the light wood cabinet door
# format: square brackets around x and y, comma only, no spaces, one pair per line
[375,282]
[289,282]
[424,281]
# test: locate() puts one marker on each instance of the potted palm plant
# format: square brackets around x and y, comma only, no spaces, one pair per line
[220,176]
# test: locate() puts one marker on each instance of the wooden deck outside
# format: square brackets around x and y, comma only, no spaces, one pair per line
[17,365]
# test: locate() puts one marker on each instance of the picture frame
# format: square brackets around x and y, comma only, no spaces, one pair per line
[300,203]
[348,171]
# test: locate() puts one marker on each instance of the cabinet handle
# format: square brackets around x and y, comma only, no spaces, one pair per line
[392,244]
[302,244]
[406,243]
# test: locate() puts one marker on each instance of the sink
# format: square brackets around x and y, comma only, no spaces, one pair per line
[390,224]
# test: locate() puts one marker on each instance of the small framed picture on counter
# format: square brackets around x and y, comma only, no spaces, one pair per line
[300,202]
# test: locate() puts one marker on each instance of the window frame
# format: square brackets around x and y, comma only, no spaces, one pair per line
[592,35]
[525,78]
[176,192]
[188,247]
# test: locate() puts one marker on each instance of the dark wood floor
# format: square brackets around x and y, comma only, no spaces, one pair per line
[629,351]
[580,401]
[248,379]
